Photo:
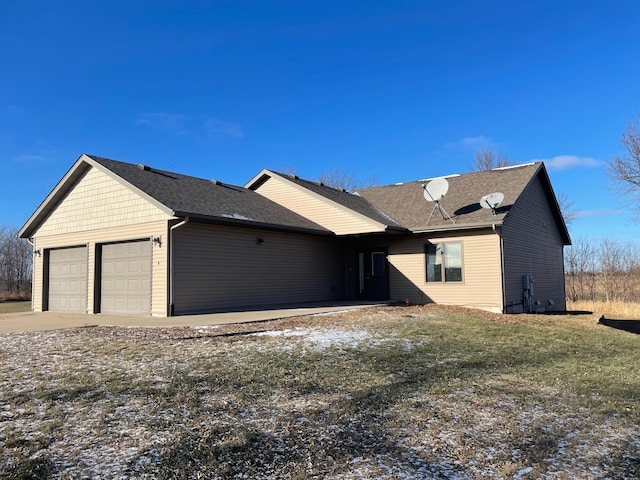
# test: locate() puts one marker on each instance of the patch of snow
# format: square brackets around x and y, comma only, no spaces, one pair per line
[280,333]
[204,328]
[323,314]
[236,216]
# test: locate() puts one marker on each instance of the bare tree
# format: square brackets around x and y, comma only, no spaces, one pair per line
[630,287]
[581,268]
[487,159]
[15,262]
[337,178]
[608,270]
[611,268]
[624,168]
[566,208]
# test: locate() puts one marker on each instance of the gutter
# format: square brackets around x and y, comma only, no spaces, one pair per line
[219,220]
[171,262]
[469,226]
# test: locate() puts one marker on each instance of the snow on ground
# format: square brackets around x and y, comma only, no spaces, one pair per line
[320,339]
[52,401]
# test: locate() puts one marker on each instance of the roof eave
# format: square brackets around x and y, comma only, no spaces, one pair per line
[259,179]
[457,227]
[79,168]
[394,228]
[553,200]
[564,231]
[55,195]
[250,223]
[166,209]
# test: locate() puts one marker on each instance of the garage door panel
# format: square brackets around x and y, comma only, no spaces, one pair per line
[126,278]
[68,279]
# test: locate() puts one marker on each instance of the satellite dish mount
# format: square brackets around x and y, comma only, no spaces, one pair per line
[492,201]
[434,191]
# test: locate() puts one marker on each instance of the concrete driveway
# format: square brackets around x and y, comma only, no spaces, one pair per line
[45,321]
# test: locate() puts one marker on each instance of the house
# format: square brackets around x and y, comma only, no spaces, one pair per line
[114,237]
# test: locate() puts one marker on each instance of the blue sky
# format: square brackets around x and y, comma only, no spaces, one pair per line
[396,90]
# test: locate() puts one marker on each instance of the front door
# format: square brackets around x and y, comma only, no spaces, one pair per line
[372,282]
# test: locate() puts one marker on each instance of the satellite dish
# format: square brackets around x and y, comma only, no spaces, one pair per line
[492,201]
[436,189]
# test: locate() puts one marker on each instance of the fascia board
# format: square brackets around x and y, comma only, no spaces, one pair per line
[555,206]
[161,206]
[541,172]
[466,226]
[381,227]
[79,168]
[256,179]
[250,224]
[52,199]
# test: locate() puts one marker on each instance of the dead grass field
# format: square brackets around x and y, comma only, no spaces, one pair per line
[13,307]
[418,392]
[620,310]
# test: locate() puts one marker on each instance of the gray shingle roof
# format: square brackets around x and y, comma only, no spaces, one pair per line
[400,206]
[352,201]
[406,203]
[207,199]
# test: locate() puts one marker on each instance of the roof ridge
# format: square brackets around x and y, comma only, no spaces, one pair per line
[313,182]
[352,201]
[161,171]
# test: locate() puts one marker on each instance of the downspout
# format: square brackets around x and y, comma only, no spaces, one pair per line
[503,281]
[171,262]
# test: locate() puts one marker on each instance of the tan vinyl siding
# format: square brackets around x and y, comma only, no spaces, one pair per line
[98,201]
[482,282]
[219,267]
[533,246]
[338,219]
[159,298]
[36,277]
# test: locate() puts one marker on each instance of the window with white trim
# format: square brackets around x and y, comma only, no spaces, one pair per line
[444,262]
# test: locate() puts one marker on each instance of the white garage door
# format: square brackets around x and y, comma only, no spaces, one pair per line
[68,279]
[126,278]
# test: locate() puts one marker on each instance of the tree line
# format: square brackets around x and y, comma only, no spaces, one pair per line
[16,260]
[607,271]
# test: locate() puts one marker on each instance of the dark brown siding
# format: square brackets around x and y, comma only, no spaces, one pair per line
[533,246]
[220,267]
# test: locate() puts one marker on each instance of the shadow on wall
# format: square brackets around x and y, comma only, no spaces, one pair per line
[410,292]
[632,326]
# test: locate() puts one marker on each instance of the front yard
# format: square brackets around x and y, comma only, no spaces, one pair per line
[393,392]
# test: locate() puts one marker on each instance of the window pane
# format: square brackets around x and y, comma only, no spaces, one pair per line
[434,263]
[453,262]
[377,263]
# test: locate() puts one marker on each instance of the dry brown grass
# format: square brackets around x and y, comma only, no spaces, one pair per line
[417,392]
[15,297]
[619,310]
[15,306]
